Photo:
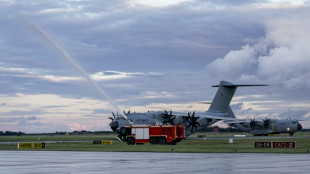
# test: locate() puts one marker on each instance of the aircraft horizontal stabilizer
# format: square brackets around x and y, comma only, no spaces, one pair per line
[238,85]
[205,102]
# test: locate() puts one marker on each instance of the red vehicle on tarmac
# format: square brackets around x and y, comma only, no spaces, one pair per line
[155,134]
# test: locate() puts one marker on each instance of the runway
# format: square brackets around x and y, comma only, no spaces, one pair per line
[132,162]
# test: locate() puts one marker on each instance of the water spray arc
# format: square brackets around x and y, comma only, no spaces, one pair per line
[49,40]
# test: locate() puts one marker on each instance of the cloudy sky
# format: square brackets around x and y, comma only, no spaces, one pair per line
[149,55]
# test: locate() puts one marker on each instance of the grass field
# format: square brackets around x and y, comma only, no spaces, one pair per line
[186,146]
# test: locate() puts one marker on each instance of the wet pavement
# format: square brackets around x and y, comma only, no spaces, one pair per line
[132,162]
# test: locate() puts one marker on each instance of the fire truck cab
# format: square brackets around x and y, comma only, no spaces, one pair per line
[155,134]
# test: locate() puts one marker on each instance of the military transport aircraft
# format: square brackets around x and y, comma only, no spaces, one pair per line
[219,110]
[267,126]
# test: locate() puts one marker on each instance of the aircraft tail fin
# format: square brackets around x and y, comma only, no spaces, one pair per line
[223,96]
[231,113]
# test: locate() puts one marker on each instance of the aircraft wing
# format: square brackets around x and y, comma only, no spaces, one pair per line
[232,122]
[244,122]
[217,117]
[211,117]
[236,121]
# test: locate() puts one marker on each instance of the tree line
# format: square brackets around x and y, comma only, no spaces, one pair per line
[8,133]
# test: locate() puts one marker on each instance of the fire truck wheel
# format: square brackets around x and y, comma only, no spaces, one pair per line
[162,141]
[130,141]
[153,141]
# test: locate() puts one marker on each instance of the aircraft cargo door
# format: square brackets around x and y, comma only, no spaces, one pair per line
[142,133]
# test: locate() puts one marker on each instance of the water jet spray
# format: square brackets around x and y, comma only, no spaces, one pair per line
[49,40]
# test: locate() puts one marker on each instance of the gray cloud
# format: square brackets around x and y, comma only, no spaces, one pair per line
[294,114]
[25,122]
[179,50]
[32,118]
[280,55]
[237,106]
[24,113]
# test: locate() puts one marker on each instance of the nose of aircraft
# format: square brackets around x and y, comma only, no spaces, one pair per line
[299,127]
[114,125]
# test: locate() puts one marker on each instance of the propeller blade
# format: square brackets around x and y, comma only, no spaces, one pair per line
[192,122]
[266,123]
[168,117]
[252,123]
[166,112]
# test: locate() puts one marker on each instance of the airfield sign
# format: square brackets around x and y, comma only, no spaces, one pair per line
[262,144]
[291,144]
[30,145]
[283,144]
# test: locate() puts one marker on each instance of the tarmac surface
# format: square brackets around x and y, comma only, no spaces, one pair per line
[69,162]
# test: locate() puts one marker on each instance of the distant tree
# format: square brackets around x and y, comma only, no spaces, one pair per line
[20,133]
[10,133]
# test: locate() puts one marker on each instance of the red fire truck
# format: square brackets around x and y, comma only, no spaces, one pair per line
[155,134]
